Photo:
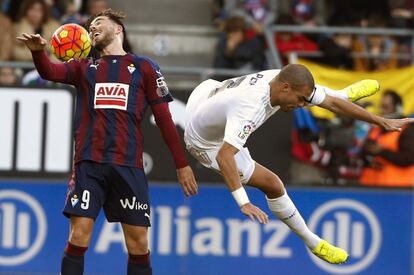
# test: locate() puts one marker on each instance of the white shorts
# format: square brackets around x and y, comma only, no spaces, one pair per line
[245,163]
[207,155]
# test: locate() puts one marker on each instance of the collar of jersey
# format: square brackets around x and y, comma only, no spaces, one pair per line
[269,103]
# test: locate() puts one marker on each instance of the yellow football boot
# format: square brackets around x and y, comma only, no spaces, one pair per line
[361,89]
[330,253]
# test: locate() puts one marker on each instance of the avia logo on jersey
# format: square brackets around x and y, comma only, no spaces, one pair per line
[111,96]
[133,204]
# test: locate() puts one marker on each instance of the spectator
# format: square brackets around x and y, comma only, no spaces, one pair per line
[8,76]
[258,14]
[33,18]
[381,49]
[356,10]
[390,155]
[337,48]
[292,42]
[71,13]
[402,13]
[6,37]
[304,12]
[96,6]
[218,13]
[56,8]
[235,51]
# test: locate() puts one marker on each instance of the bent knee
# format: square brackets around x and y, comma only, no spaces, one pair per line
[274,187]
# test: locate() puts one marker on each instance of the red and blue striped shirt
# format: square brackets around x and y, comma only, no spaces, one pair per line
[113,93]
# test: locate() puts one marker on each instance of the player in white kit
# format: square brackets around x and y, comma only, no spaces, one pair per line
[220,116]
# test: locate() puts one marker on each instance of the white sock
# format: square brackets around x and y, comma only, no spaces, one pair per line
[283,208]
[335,93]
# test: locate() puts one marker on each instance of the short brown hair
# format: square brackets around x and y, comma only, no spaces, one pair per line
[115,16]
[297,76]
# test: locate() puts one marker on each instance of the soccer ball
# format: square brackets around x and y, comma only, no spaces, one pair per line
[70,41]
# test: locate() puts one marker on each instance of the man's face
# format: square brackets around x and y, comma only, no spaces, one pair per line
[35,14]
[7,76]
[293,98]
[102,32]
[387,105]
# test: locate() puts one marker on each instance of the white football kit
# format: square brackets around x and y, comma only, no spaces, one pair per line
[230,111]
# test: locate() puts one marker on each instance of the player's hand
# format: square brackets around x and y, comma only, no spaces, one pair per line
[395,124]
[254,213]
[187,180]
[35,42]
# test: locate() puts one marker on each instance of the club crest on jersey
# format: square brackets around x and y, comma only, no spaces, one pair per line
[131,68]
[247,129]
[111,96]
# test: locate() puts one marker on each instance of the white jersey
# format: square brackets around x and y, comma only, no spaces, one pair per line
[231,110]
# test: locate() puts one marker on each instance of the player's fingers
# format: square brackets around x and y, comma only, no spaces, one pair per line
[191,191]
[20,38]
[251,216]
[185,190]
[193,186]
[265,218]
[260,217]
[408,120]
[26,35]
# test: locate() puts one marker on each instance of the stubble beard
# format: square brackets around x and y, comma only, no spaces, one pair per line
[104,42]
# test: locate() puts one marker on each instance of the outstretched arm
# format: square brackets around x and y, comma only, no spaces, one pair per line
[352,110]
[47,69]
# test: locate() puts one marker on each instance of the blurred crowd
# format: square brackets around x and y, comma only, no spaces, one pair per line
[36,16]
[242,23]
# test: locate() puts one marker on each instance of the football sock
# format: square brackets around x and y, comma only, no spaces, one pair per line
[73,260]
[139,264]
[283,208]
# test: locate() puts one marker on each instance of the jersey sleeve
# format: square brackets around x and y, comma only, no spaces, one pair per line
[243,118]
[74,70]
[318,95]
[156,89]
[67,72]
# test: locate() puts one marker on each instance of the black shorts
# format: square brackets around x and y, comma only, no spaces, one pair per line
[122,191]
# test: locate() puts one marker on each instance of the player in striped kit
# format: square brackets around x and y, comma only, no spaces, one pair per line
[220,116]
[113,93]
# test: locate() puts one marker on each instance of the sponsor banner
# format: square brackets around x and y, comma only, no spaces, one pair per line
[207,234]
[36,135]
[37,140]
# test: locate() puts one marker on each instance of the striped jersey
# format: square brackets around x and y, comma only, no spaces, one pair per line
[113,93]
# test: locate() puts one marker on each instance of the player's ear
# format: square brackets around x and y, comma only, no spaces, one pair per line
[118,29]
[285,86]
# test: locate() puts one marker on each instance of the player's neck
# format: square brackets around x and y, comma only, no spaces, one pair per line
[274,93]
[113,49]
